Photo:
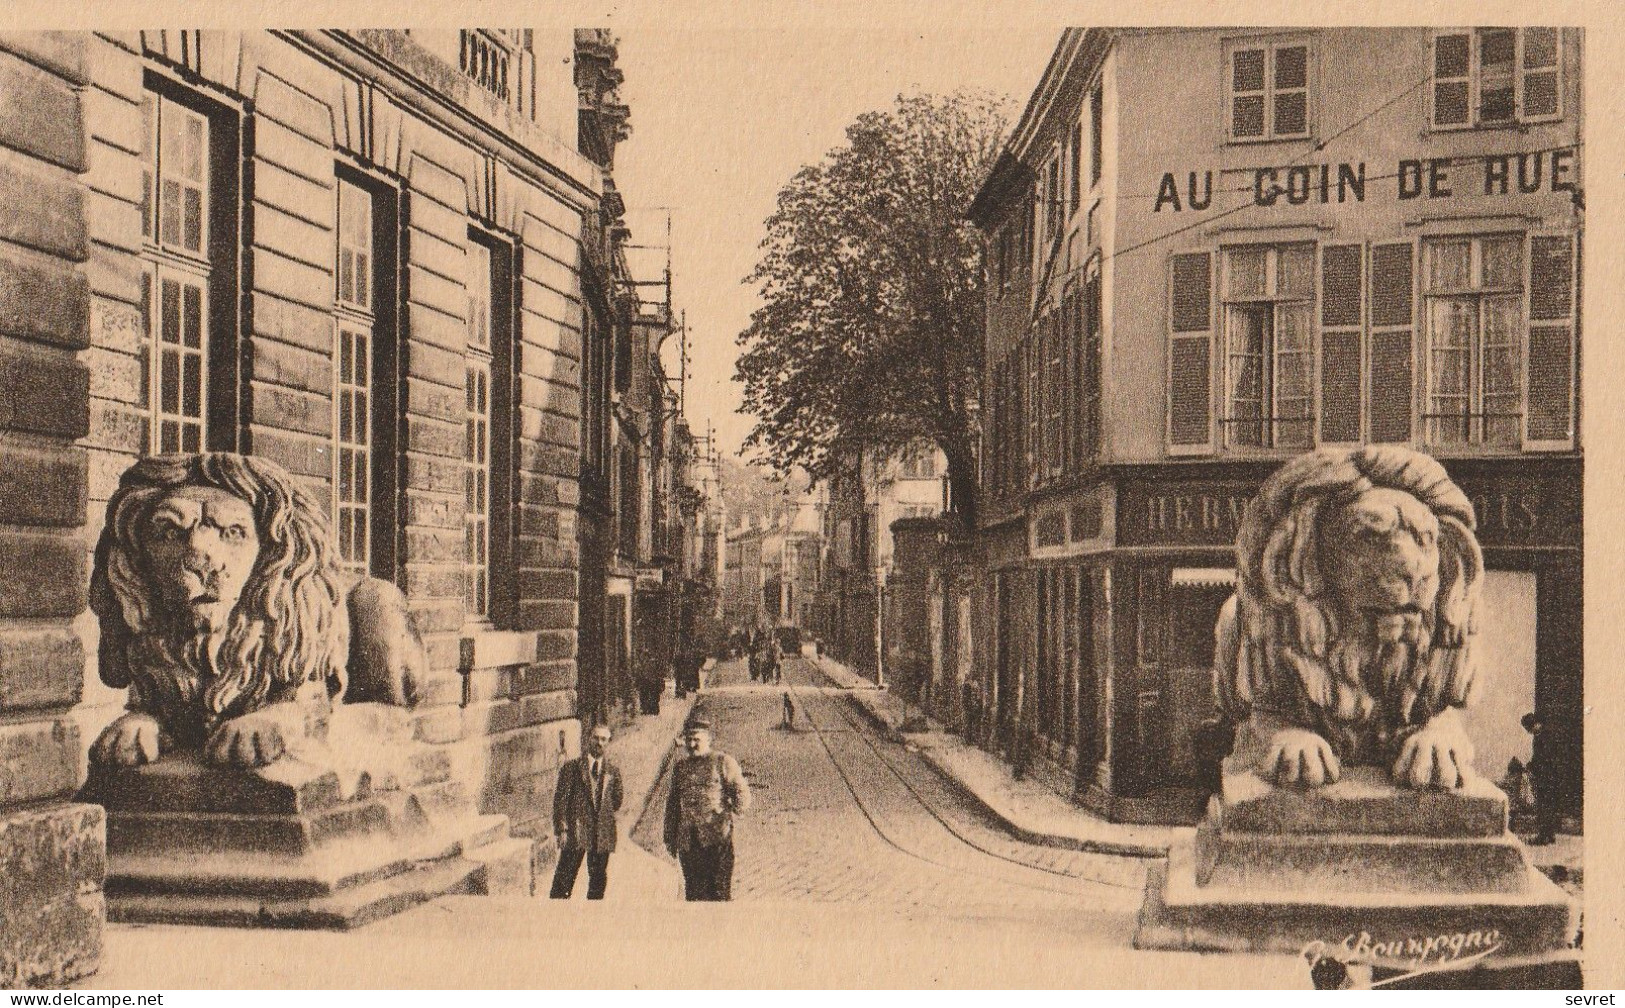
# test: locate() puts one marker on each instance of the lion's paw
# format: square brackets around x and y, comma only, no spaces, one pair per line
[129,741]
[1299,756]
[1435,757]
[251,740]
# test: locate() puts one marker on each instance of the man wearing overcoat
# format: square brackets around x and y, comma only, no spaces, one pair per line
[584,806]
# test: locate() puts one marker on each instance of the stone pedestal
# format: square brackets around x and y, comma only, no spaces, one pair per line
[332,836]
[1372,872]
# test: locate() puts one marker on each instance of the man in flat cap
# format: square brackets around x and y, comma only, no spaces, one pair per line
[707,791]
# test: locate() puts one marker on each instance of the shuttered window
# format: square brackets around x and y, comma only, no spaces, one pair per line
[1190,391]
[1496,77]
[1268,90]
[1549,422]
[1475,340]
[1342,313]
[1097,123]
[1269,346]
[1392,353]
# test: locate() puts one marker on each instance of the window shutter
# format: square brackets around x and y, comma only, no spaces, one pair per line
[1549,416]
[1392,350]
[1452,69]
[1538,87]
[1190,355]
[1342,309]
[1340,386]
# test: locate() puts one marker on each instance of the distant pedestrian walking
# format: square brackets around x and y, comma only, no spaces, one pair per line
[788,719]
[584,805]
[707,791]
[772,661]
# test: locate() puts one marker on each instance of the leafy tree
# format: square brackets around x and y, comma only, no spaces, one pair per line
[870,328]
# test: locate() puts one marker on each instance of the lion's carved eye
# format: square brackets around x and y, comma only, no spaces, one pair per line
[234,533]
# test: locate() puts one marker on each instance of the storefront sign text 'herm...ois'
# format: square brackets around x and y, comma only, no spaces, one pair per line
[1347,182]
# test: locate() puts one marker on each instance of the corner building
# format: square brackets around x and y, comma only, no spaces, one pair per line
[1212,249]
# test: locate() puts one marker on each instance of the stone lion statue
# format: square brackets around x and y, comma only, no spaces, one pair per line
[223,611]
[1348,639]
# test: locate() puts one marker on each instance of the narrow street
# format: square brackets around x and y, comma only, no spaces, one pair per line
[843,814]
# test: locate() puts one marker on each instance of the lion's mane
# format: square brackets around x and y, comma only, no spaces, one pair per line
[288,628]
[1281,649]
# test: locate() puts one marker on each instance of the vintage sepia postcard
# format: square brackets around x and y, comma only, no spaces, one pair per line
[789,495]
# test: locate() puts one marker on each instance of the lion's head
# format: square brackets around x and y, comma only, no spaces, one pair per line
[217,592]
[1357,590]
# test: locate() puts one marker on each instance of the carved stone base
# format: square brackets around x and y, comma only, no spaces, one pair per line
[51,865]
[1371,871]
[334,836]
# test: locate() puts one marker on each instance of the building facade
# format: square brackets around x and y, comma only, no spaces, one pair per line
[1322,237]
[774,563]
[869,491]
[385,260]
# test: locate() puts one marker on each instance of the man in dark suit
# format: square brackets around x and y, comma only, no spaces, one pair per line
[584,806]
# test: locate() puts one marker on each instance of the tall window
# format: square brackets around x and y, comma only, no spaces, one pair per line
[1268,307]
[1268,86]
[353,387]
[1474,291]
[1097,116]
[1496,77]
[1075,169]
[176,271]
[477,441]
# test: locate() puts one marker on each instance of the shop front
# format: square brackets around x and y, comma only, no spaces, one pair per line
[1172,569]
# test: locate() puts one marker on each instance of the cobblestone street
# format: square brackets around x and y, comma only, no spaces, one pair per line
[844,815]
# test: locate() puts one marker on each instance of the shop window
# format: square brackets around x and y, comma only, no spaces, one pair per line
[1268,90]
[1269,346]
[1496,77]
[187,271]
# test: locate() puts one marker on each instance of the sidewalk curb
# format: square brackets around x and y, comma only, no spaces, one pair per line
[882,721]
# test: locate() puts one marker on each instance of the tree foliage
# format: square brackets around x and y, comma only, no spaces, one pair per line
[870,328]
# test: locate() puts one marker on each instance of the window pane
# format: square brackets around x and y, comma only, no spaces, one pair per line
[169,212]
[1450,55]
[1495,103]
[1539,48]
[192,386]
[1291,113]
[171,309]
[1248,118]
[169,382]
[190,435]
[169,437]
[1246,273]
[1450,266]
[1340,387]
[346,275]
[1296,272]
[192,220]
[363,280]
[1495,50]
[192,164]
[1540,94]
[1503,262]
[1450,103]
[1292,67]
[1248,70]
[191,315]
